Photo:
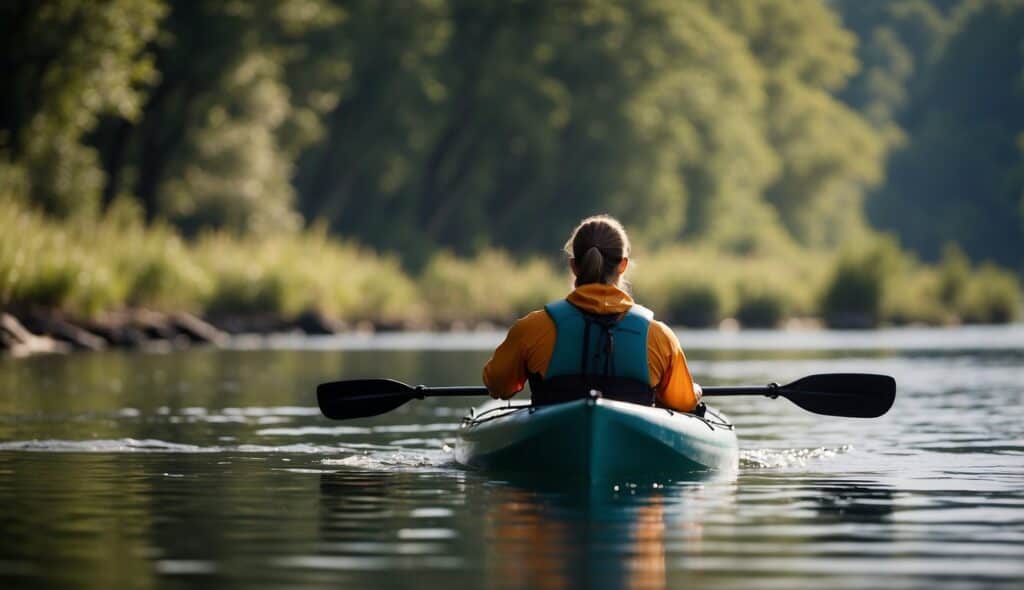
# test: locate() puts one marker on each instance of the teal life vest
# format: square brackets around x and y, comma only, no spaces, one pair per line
[607,353]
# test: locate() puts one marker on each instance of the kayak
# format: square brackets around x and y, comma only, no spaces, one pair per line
[596,439]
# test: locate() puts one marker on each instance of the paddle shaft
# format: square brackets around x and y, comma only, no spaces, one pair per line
[464,391]
[854,395]
[450,391]
[768,390]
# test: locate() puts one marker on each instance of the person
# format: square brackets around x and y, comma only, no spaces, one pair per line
[597,338]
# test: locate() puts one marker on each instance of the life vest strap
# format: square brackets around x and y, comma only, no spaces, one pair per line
[620,349]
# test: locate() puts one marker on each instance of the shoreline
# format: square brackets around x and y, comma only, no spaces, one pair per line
[38,332]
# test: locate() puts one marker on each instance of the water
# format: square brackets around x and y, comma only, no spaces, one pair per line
[214,468]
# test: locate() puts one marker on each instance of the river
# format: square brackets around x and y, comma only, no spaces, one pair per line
[214,468]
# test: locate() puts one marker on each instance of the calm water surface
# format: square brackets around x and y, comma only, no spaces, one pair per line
[215,468]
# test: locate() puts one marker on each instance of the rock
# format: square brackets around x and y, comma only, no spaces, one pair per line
[264,323]
[56,326]
[117,329]
[314,322]
[155,325]
[18,341]
[196,330]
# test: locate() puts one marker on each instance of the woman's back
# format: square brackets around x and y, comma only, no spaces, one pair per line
[544,345]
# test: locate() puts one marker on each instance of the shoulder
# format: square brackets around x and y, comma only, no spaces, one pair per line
[532,323]
[659,333]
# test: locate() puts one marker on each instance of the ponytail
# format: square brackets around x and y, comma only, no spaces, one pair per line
[591,268]
[598,246]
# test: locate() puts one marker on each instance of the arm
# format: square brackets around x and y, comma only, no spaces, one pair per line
[505,372]
[669,372]
[526,350]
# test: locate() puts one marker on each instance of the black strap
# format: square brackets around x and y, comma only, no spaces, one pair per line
[606,344]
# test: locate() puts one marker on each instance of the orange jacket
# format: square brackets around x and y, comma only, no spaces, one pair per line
[531,340]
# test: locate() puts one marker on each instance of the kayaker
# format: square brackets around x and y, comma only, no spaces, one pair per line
[597,338]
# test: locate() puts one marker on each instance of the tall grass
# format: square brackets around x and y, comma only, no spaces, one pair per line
[993,296]
[92,264]
[292,273]
[490,287]
[701,287]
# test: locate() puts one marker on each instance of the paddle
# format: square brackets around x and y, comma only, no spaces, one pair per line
[854,395]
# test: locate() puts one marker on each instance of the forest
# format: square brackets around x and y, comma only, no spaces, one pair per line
[420,162]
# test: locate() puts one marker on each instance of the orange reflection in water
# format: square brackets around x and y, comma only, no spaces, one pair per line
[555,541]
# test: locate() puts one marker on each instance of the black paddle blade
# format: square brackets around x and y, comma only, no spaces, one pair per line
[855,395]
[360,398]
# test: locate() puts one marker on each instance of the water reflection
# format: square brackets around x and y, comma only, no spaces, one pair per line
[519,534]
[541,534]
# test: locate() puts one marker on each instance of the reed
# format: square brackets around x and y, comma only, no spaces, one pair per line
[95,263]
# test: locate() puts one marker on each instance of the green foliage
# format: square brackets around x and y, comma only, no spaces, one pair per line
[66,64]
[762,307]
[42,263]
[692,304]
[993,296]
[290,274]
[854,296]
[97,264]
[958,162]
[489,287]
[954,275]
[736,139]
[703,286]
[899,40]
[913,297]
[827,152]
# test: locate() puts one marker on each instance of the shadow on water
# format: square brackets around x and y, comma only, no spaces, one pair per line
[853,501]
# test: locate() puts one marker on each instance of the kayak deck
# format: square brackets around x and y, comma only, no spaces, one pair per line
[596,439]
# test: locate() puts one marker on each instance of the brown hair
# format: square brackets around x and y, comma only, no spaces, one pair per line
[598,245]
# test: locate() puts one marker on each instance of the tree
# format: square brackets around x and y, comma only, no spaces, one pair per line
[65,64]
[958,178]
[220,130]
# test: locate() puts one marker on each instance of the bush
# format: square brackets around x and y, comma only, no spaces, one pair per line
[489,287]
[155,266]
[43,263]
[992,296]
[854,296]
[954,275]
[761,308]
[289,274]
[693,304]
[252,290]
[913,298]
[90,263]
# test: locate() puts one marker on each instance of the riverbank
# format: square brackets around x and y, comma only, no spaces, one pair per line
[47,331]
[113,281]
[37,332]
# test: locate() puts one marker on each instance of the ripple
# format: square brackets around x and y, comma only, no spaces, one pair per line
[392,460]
[782,458]
[131,445]
[122,445]
[357,563]
[314,430]
[178,567]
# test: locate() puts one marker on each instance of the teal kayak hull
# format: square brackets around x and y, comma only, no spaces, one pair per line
[596,439]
